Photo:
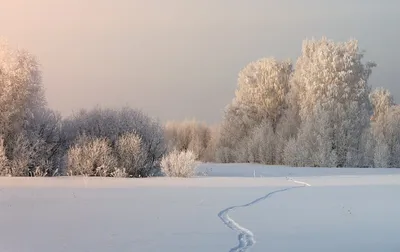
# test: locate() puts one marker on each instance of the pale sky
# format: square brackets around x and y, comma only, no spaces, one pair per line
[178,59]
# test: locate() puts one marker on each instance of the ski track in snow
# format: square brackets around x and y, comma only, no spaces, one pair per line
[245,236]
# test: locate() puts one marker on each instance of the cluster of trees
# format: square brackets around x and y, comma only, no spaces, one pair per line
[319,111]
[36,141]
[191,135]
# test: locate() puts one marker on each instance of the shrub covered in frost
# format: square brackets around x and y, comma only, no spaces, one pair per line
[179,164]
[91,157]
[118,127]
[131,156]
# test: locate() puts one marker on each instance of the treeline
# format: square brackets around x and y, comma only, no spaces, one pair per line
[318,112]
[37,141]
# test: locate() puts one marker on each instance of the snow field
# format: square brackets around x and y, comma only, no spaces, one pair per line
[342,210]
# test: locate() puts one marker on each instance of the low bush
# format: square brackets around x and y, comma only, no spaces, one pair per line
[179,164]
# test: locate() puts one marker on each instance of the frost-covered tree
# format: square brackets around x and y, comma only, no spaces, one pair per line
[263,86]
[328,71]
[381,100]
[261,146]
[386,132]
[333,75]
[261,95]
[237,125]
[314,143]
[21,89]
[150,131]
[37,149]
[31,132]
[394,136]
[385,129]
[381,155]
[294,154]
[210,151]
[188,135]
[44,131]
[21,155]
[4,169]
[368,143]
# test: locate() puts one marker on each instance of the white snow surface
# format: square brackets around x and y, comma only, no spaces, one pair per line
[228,207]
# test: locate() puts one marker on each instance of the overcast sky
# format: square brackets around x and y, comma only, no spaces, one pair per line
[179,59]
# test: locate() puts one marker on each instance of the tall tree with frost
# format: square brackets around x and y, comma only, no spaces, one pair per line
[385,129]
[386,132]
[260,95]
[21,90]
[313,146]
[261,146]
[31,132]
[381,155]
[263,86]
[333,75]
[237,124]
[394,136]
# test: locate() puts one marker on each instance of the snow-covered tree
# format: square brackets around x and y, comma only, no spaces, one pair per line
[385,128]
[263,86]
[150,131]
[21,89]
[333,75]
[37,148]
[188,135]
[210,151]
[381,155]
[394,140]
[387,131]
[237,125]
[381,100]
[261,95]
[328,72]
[3,159]
[44,131]
[314,143]
[368,143]
[296,155]
[31,132]
[261,146]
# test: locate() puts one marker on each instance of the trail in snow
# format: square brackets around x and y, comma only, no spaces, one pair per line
[245,236]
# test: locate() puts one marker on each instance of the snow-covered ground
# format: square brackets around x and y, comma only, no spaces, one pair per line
[233,208]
